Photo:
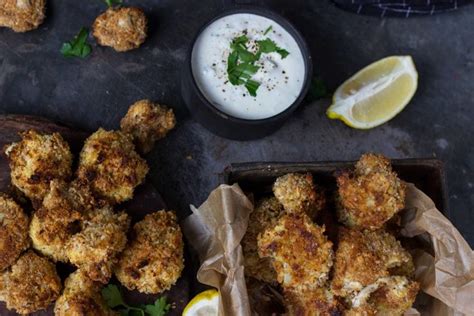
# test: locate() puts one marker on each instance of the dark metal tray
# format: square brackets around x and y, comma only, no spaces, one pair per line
[258,177]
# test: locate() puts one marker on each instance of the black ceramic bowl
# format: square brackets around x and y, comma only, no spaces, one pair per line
[226,125]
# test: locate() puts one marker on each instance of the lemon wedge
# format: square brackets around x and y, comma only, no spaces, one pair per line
[376,93]
[204,304]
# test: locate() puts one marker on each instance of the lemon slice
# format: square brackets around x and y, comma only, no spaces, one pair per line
[376,93]
[204,304]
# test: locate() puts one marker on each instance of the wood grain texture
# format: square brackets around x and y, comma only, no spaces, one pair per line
[146,200]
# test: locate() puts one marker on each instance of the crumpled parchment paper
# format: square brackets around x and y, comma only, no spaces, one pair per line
[445,267]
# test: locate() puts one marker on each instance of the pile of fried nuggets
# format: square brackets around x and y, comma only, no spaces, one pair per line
[74,220]
[365,272]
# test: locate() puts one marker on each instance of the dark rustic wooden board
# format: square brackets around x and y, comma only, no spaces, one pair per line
[147,199]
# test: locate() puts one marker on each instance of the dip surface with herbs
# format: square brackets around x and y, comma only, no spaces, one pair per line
[248,66]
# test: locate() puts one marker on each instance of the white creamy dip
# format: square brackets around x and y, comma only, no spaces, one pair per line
[280,79]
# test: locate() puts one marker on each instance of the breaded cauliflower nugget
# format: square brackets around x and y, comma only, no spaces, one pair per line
[110,164]
[363,257]
[388,296]
[298,193]
[36,160]
[395,295]
[22,15]
[31,284]
[81,297]
[317,302]
[302,256]
[96,247]
[147,122]
[371,195]
[121,28]
[55,222]
[153,260]
[13,231]
[265,214]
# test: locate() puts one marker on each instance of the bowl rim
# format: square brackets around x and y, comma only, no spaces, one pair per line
[291,29]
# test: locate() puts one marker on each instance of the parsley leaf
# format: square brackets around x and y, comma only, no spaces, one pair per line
[241,62]
[112,3]
[78,47]
[113,298]
[268,30]
[283,52]
[159,308]
[252,87]
[269,46]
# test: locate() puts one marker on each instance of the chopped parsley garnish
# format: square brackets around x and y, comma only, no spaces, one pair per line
[241,62]
[114,300]
[112,3]
[78,47]
[268,30]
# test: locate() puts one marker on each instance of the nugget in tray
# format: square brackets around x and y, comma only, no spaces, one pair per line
[298,193]
[31,284]
[371,195]
[36,160]
[301,254]
[13,231]
[316,302]
[387,296]
[96,247]
[153,259]
[362,257]
[265,214]
[121,28]
[110,164]
[22,15]
[81,297]
[147,122]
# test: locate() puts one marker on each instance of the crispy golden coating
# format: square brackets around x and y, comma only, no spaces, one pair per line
[81,297]
[121,28]
[22,15]
[365,310]
[298,193]
[266,212]
[13,231]
[371,195]
[31,284]
[153,260]
[111,165]
[363,257]
[301,254]
[59,217]
[147,122]
[317,302]
[395,295]
[36,160]
[96,247]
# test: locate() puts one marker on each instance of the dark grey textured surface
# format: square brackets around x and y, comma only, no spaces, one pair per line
[36,79]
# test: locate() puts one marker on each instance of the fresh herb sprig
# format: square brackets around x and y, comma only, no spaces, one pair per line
[113,298]
[112,3]
[78,47]
[241,62]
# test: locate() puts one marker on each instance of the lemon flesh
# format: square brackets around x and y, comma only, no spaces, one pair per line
[375,94]
[204,304]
